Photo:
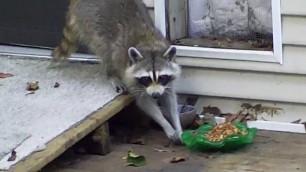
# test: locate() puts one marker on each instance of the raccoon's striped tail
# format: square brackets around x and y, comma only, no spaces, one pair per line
[69,43]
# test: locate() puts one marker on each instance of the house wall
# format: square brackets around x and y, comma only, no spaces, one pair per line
[256,80]
[233,82]
[280,77]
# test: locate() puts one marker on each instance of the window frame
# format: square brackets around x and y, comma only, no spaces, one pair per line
[275,56]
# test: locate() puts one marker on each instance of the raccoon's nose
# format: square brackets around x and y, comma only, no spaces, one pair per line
[155,95]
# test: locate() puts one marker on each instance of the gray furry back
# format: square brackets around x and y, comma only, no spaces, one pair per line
[110,27]
[122,22]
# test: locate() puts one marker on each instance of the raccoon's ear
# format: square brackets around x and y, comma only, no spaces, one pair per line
[134,54]
[170,54]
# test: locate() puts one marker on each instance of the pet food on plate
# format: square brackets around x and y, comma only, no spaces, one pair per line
[221,131]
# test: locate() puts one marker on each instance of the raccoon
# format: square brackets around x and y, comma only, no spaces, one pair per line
[135,55]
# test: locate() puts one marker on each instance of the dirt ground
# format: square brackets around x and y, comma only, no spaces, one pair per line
[270,152]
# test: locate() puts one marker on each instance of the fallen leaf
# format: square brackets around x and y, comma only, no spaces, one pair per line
[228,39]
[13,156]
[32,86]
[213,155]
[135,160]
[56,85]
[250,118]
[176,159]
[169,144]
[211,110]
[139,141]
[240,118]
[161,150]
[32,92]
[5,75]
[297,121]
[262,118]
[232,117]
[124,158]
[257,107]
[246,105]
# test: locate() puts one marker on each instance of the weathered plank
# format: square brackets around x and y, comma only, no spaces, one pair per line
[177,18]
[151,13]
[60,144]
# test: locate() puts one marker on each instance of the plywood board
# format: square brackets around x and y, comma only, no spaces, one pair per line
[50,111]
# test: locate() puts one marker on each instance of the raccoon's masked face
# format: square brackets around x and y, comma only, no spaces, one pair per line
[153,71]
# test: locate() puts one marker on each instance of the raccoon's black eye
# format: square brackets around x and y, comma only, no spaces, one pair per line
[164,79]
[145,81]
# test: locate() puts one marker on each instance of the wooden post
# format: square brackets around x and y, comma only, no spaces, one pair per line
[99,143]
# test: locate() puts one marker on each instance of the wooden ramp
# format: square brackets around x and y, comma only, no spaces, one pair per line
[54,117]
[57,146]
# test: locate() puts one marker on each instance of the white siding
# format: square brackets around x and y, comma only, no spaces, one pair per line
[293,7]
[294,29]
[242,84]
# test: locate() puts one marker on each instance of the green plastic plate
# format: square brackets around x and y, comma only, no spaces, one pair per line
[196,140]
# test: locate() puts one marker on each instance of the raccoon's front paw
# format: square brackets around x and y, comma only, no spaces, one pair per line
[118,85]
[174,136]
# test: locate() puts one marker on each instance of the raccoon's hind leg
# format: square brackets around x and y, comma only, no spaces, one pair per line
[69,43]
